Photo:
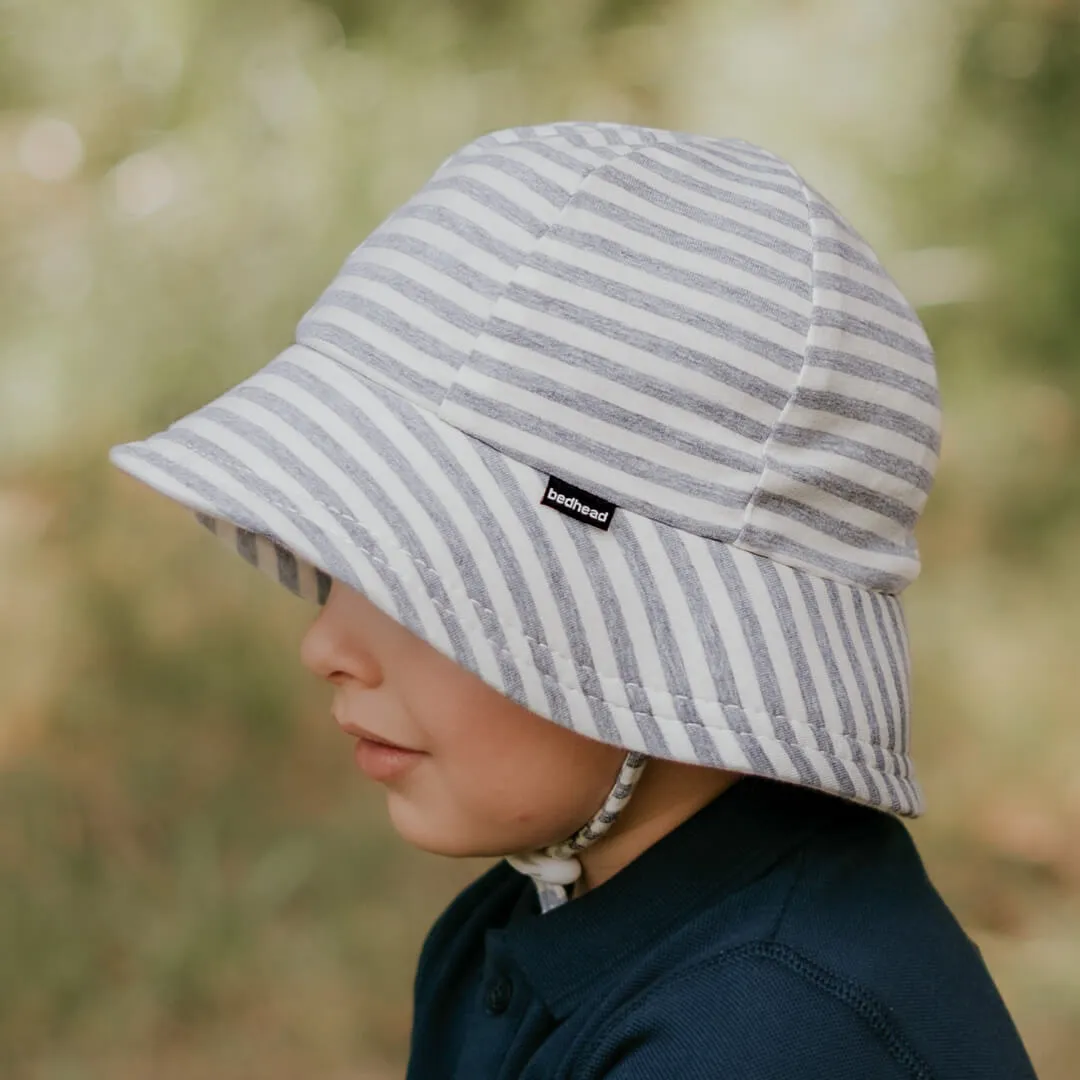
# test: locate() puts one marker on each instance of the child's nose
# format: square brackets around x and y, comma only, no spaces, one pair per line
[315,653]
[329,651]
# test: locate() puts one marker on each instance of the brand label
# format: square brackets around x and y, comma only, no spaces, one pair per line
[578,503]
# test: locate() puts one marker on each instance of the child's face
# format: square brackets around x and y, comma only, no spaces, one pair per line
[486,776]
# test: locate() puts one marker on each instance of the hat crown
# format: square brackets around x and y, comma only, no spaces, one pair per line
[677,323]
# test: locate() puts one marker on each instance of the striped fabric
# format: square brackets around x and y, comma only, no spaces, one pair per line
[675,323]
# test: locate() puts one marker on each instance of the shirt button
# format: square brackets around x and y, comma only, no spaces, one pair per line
[497,997]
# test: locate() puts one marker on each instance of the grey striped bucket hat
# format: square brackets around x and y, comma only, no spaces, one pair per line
[629,422]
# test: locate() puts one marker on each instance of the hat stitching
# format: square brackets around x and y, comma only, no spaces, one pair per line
[759,486]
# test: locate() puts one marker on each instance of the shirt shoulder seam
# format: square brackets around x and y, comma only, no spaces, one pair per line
[849,993]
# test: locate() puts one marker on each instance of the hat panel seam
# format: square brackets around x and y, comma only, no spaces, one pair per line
[759,487]
[895,760]
[615,165]
[523,262]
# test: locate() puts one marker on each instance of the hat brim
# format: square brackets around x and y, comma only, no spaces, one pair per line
[644,636]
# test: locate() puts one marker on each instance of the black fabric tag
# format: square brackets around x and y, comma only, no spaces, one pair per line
[578,503]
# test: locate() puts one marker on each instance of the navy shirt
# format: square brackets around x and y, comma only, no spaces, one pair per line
[778,933]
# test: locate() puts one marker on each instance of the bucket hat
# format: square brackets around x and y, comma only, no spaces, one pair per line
[632,424]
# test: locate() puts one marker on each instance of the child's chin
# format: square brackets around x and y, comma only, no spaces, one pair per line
[437,834]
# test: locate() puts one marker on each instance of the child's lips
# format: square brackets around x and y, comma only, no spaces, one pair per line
[382,761]
[358,732]
[379,758]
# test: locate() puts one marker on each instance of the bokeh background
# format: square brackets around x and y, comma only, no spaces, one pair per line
[193,879]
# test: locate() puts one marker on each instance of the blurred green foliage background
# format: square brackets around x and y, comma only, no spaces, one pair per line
[193,880]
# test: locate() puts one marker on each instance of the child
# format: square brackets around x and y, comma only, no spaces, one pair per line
[603,455]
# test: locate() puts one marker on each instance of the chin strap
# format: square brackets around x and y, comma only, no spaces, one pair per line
[555,868]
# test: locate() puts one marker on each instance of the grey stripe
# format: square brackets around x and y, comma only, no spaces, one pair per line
[820,208]
[622,646]
[246,546]
[545,149]
[889,701]
[636,338]
[887,627]
[899,682]
[785,616]
[821,521]
[764,164]
[829,245]
[535,181]
[631,464]
[324,584]
[321,492]
[244,518]
[386,319]
[461,228]
[704,285]
[312,334]
[871,371]
[863,328]
[836,684]
[869,412]
[763,668]
[643,302]
[403,531]
[698,215]
[683,241]
[832,590]
[556,580]
[842,488]
[287,570]
[431,255]
[712,640]
[662,389]
[663,634]
[492,200]
[412,289]
[753,206]
[758,540]
[857,290]
[882,460]
[595,408]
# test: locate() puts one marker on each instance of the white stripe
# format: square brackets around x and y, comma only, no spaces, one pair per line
[696,232]
[710,305]
[790,201]
[870,391]
[597,630]
[567,460]
[866,432]
[638,360]
[890,709]
[713,308]
[443,285]
[843,664]
[622,392]
[669,330]
[413,508]
[833,547]
[272,474]
[487,220]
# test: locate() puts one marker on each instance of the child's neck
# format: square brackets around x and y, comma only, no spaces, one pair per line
[668,793]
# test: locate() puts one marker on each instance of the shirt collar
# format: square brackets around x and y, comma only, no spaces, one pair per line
[725,845]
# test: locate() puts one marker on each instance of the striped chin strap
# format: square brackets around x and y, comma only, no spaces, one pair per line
[553,869]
